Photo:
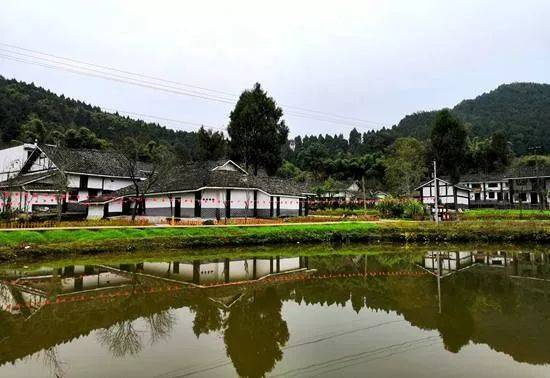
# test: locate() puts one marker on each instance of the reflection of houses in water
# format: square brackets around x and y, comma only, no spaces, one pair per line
[15,299]
[24,291]
[449,261]
[226,270]
[27,291]
[500,258]
[74,278]
[516,264]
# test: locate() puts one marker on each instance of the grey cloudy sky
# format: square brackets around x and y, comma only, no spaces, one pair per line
[371,60]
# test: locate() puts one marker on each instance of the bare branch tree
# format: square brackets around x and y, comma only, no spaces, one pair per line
[145,165]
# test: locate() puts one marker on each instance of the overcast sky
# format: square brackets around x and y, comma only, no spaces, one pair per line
[372,60]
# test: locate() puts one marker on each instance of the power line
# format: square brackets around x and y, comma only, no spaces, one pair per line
[318,116]
[182,84]
[113,69]
[149,85]
[163,118]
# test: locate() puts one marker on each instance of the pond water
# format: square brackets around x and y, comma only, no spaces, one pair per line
[450,312]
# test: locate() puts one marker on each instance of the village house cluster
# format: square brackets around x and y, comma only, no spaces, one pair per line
[526,187]
[95,184]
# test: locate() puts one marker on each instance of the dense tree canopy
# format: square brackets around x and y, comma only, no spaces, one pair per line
[212,145]
[405,166]
[448,144]
[257,132]
[22,103]
[496,126]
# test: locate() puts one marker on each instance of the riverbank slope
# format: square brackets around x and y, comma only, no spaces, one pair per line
[29,244]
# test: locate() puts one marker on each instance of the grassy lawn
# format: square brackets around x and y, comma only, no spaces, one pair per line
[348,212]
[16,244]
[510,214]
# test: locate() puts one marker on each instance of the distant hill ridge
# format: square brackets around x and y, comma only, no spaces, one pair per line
[520,110]
[19,100]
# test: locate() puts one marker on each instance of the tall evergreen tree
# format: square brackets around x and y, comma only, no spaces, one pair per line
[256,130]
[448,144]
[212,145]
[354,141]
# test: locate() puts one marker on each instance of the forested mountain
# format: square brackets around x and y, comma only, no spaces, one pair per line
[20,102]
[521,111]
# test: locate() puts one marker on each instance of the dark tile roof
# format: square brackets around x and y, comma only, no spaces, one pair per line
[512,172]
[528,171]
[20,180]
[193,176]
[480,177]
[39,186]
[94,162]
[446,179]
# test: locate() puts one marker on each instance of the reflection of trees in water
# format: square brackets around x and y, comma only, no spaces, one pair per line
[123,339]
[255,332]
[160,325]
[53,362]
[208,317]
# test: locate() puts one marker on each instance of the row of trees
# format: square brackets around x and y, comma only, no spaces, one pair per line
[258,138]
[401,165]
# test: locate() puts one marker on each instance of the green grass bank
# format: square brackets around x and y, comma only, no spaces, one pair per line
[30,244]
[505,214]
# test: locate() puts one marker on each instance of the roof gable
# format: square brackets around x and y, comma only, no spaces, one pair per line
[229,165]
[78,161]
[458,186]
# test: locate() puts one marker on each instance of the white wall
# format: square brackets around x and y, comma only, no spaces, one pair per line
[99,182]
[95,211]
[240,198]
[264,201]
[214,199]
[12,160]
[155,202]
[289,203]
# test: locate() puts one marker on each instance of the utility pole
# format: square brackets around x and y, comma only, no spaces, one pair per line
[539,192]
[436,200]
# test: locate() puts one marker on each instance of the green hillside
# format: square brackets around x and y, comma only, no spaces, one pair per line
[19,101]
[520,110]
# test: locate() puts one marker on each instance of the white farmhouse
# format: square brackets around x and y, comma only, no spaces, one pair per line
[89,173]
[207,190]
[449,195]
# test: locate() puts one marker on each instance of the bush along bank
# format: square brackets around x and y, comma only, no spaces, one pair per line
[28,244]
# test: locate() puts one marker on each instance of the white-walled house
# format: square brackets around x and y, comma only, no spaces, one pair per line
[516,187]
[89,174]
[13,158]
[449,195]
[207,190]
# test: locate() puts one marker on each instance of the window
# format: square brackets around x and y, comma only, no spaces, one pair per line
[92,193]
[493,185]
[523,197]
[83,182]
[73,195]
[499,196]
[491,195]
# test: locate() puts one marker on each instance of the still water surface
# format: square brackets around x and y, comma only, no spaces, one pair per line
[388,314]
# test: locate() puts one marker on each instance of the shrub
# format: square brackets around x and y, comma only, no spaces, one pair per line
[391,207]
[413,209]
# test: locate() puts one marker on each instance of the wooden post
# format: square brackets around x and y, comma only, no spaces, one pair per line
[436,200]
